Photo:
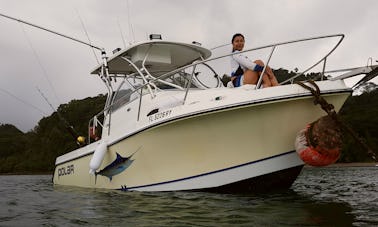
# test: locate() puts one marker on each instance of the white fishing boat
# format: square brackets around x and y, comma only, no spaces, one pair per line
[174,131]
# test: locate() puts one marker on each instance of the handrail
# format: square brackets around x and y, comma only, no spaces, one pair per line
[189,84]
[263,47]
[264,69]
[295,41]
[147,83]
[322,59]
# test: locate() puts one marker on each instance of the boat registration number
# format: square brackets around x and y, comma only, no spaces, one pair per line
[159,115]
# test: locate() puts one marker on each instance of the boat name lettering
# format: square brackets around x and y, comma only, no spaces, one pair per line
[159,115]
[67,170]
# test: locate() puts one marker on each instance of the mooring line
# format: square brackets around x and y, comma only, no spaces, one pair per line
[329,109]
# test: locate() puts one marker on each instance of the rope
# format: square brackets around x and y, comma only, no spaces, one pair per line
[330,110]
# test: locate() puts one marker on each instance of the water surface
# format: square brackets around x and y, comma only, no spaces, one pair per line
[337,196]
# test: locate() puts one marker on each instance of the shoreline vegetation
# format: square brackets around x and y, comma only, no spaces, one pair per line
[34,152]
[351,164]
[27,173]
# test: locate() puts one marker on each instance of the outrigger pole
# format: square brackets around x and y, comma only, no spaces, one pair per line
[51,31]
[105,72]
[102,50]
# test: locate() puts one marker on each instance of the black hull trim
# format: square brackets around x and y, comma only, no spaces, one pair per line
[276,181]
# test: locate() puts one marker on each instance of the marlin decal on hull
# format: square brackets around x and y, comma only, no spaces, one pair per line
[119,165]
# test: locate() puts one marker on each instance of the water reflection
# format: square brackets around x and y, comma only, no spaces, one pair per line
[96,207]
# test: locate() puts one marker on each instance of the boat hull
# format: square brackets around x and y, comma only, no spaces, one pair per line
[230,149]
[275,181]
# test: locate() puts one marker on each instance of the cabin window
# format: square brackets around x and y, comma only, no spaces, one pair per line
[123,97]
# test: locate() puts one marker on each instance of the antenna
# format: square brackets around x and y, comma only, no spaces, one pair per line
[120,30]
[129,20]
[86,33]
[51,31]
[223,45]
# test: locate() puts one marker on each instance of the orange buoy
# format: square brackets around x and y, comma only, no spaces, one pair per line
[319,144]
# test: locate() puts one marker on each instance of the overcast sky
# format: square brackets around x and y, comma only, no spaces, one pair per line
[31,58]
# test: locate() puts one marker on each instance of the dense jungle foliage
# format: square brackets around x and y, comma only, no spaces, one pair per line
[36,150]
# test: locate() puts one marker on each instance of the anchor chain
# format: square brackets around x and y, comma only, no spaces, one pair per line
[330,110]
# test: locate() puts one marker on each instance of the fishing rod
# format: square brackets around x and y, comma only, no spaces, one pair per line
[23,101]
[79,139]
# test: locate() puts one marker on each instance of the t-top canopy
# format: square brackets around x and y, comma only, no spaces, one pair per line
[162,57]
